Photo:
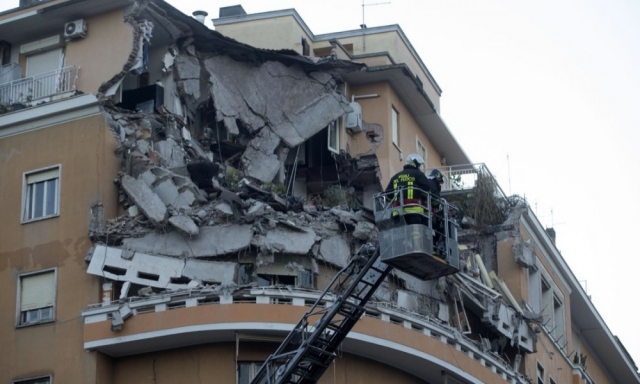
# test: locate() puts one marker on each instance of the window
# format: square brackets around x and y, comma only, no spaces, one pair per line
[247,371]
[394,126]
[540,371]
[333,142]
[422,151]
[42,194]
[44,62]
[546,299]
[36,297]
[551,381]
[558,318]
[34,380]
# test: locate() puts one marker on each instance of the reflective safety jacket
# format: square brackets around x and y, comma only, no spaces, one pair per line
[411,178]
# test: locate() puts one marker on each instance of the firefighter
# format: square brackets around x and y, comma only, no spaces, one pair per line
[410,178]
[436,179]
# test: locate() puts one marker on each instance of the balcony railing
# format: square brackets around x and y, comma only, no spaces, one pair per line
[464,177]
[39,86]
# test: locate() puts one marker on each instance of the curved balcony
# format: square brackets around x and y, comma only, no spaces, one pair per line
[408,341]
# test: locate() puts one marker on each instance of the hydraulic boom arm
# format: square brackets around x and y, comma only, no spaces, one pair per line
[309,350]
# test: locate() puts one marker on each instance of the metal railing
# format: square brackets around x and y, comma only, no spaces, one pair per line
[37,87]
[464,177]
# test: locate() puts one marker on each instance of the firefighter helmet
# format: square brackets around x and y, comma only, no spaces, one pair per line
[414,159]
[436,174]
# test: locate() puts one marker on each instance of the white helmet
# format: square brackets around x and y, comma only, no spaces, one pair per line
[415,159]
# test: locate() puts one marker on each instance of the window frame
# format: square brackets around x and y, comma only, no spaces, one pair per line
[395,125]
[25,212]
[540,370]
[19,313]
[34,380]
[421,150]
[335,126]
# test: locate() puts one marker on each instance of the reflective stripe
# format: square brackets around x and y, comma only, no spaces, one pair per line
[410,190]
[414,210]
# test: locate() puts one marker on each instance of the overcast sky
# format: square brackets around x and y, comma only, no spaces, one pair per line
[549,85]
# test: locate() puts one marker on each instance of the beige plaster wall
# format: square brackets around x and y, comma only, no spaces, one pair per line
[108,37]
[84,148]
[273,33]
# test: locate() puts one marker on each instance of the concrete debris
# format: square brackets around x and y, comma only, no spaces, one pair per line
[280,240]
[184,225]
[365,231]
[344,216]
[170,153]
[224,208]
[148,202]
[157,271]
[335,250]
[212,241]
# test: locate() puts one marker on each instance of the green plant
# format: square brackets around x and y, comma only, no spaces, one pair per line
[334,195]
[231,176]
[275,187]
[482,203]
[580,359]
[456,181]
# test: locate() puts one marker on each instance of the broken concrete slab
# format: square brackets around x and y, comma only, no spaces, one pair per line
[293,105]
[365,230]
[212,241]
[184,224]
[260,159]
[283,240]
[171,154]
[224,208]
[345,216]
[173,189]
[211,272]
[145,199]
[157,271]
[335,250]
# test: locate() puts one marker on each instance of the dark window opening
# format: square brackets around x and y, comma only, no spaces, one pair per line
[180,280]
[115,270]
[145,99]
[148,276]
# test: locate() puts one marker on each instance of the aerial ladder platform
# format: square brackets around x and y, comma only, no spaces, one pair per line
[310,348]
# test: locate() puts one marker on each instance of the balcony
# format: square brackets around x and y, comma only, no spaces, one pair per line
[465,176]
[35,89]
[418,344]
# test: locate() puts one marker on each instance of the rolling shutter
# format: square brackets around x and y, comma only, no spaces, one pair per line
[37,291]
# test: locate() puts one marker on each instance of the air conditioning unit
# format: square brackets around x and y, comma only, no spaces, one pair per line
[353,120]
[75,30]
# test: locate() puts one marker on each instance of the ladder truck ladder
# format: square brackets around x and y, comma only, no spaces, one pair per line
[309,350]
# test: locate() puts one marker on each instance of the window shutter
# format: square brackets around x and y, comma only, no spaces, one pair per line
[42,176]
[37,291]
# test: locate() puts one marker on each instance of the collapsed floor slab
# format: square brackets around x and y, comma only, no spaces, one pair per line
[157,271]
[212,241]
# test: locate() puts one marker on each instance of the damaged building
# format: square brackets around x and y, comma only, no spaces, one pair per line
[175,198]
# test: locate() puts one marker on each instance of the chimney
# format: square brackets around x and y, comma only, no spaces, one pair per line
[552,234]
[200,15]
[233,10]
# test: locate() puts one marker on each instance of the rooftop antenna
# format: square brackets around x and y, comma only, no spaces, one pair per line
[364,25]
